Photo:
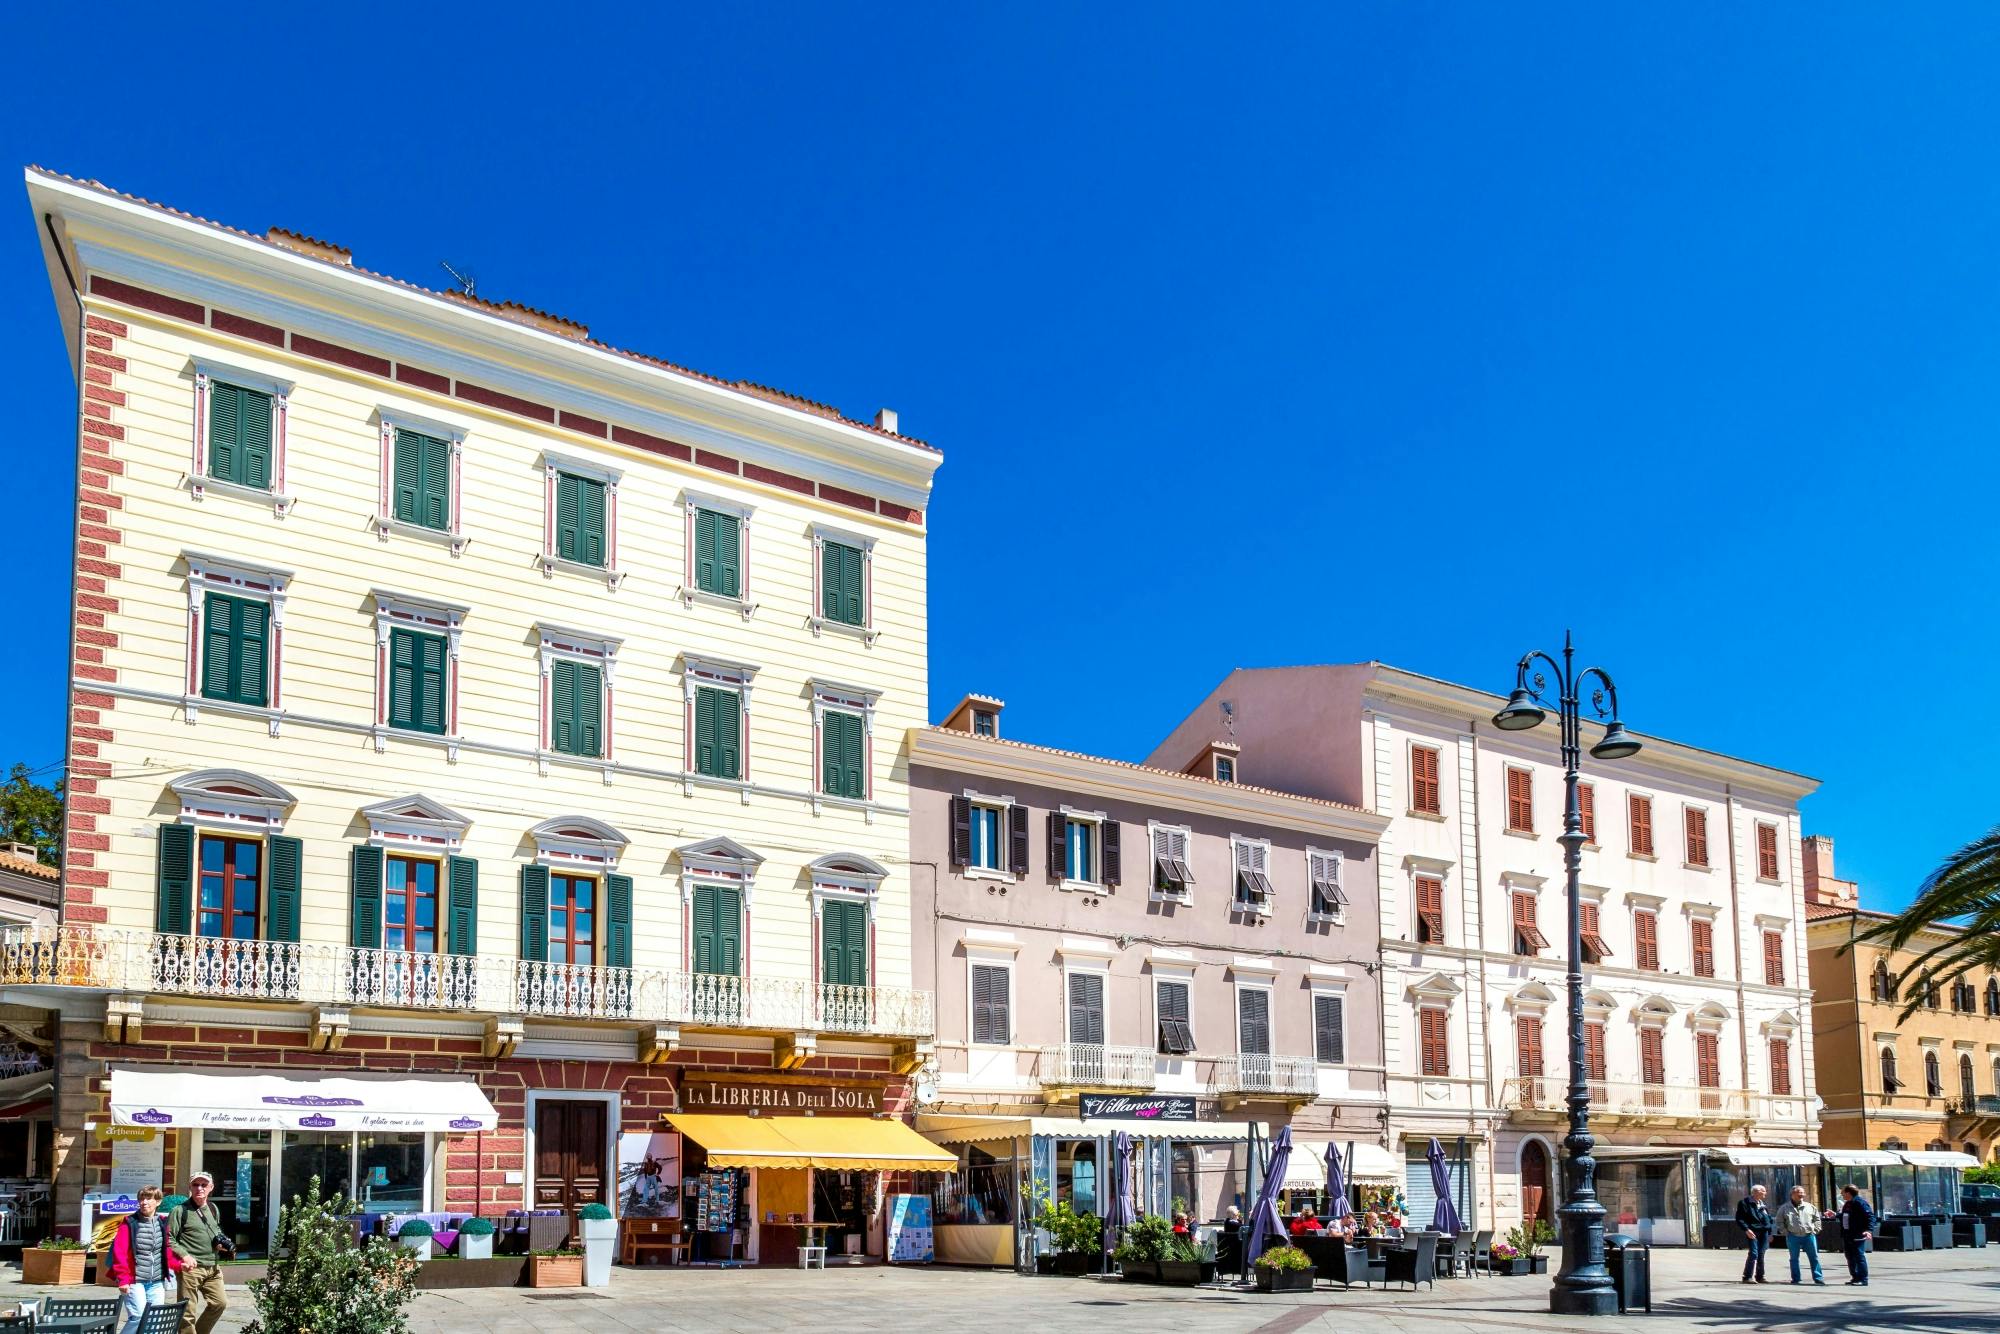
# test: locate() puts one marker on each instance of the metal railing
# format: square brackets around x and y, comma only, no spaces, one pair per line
[1089,1065]
[1252,1072]
[1982,1104]
[1619,1098]
[116,959]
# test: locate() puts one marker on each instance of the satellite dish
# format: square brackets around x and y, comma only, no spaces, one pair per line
[926,1088]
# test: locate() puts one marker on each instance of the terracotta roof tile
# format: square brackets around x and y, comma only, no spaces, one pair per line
[500,308]
[11,861]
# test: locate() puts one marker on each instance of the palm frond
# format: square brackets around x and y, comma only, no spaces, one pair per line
[1961,897]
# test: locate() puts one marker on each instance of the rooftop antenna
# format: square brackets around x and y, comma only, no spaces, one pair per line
[465,281]
[1229,716]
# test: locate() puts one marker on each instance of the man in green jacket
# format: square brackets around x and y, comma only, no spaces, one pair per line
[194,1230]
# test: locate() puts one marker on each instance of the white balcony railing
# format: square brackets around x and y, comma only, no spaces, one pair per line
[1628,1100]
[1254,1072]
[109,959]
[1088,1065]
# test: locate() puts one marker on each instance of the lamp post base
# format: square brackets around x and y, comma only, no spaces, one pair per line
[1583,1301]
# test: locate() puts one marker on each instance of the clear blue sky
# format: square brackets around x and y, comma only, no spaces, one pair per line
[1403,331]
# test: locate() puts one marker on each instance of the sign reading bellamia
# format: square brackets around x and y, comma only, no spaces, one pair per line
[746,1096]
[1121,1106]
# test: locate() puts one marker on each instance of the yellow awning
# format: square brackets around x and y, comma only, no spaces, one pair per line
[842,1143]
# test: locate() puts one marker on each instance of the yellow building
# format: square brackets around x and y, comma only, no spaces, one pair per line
[459,698]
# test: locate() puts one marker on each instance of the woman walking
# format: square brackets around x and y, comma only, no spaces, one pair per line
[141,1260]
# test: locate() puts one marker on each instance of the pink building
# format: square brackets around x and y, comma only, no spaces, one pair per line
[1179,955]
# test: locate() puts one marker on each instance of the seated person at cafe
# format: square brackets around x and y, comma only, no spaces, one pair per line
[1305,1225]
[1183,1226]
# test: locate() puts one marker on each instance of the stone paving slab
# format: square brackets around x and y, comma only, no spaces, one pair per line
[1940,1292]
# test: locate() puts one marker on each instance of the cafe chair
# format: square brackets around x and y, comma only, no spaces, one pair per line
[162,1319]
[1482,1251]
[1413,1262]
[80,1308]
[1458,1260]
[21,1322]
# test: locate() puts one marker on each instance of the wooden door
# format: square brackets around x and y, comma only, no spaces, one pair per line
[569,1155]
[1534,1181]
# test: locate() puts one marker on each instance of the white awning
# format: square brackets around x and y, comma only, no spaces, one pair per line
[1861,1157]
[1307,1168]
[259,1100]
[1936,1158]
[942,1129]
[1756,1157]
[1374,1163]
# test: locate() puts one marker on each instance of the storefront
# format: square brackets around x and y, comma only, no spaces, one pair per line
[1367,1169]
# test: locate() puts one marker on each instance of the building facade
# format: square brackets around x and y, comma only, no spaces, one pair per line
[1697,1022]
[1124,948]
[460,699]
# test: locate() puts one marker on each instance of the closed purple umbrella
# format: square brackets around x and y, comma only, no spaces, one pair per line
[1336,1185]
[1264,1221]
[1445,1217]
[1119,1212]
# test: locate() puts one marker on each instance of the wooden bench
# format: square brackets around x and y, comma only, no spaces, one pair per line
[652,1236]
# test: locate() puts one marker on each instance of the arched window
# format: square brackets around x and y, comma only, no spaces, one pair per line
[1885,986]
[1933,1077]
[1938,1146]
[1965,1089]
[1993,995]
[1893,1143]
[1889,1081]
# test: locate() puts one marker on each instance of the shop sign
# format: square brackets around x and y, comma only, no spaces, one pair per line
[137,1155]
[1126,1107]
[783,1099]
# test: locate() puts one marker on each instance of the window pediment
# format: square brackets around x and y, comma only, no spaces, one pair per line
[577,840]
[231,799]
[415,821]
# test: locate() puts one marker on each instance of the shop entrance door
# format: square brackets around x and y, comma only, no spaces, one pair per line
[240,1162]
[569,1155]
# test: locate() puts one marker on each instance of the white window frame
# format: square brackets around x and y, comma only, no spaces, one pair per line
[1003,813]
[1338,863]
[206,373]
[400,611]
[1652,801]
[996,954]
[1095,819]
[1410,750]
[1756,856]
[1091,964]
[1238,843]
[835,697]
[238,579]
[1707,837]
[392,420]
[741,511]
[716,674]
[599,651]
[1180,974]
[821,535]
[1154,829]
[1268,984]
[1320,986]
[554,465]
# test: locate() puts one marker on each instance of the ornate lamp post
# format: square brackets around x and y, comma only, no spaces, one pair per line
[1583,1284]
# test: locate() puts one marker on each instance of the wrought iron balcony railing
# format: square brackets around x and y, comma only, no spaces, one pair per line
[1251,1072]
[1091,1065]
[1548,1096]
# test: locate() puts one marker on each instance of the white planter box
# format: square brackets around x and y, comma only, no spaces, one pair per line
[475,1248]
[421,1245]
[600,1241]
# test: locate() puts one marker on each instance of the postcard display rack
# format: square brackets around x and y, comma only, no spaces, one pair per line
[721,1214]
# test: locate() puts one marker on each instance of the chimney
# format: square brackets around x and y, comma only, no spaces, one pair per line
[310,246]
[977,714]
[1217,760]
[1823,889]
[25,851]
[885,420]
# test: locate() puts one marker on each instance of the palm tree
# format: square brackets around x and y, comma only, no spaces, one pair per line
[1963,898]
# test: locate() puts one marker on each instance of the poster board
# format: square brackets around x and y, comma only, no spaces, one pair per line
[911,1240]
[649,1174]
[138,1157]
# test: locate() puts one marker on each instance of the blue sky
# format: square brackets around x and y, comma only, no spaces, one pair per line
[1398,331]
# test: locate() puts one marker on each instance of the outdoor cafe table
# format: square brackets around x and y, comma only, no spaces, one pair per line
[78,1325]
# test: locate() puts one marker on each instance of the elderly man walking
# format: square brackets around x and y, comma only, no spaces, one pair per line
[1755,1219]
[194,1231]
[1798,1224]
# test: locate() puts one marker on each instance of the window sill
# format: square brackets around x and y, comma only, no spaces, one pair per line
[1250,909]
[1703,867]
[865,633]
[971,872]
[384,731]
[194,704]
[1511,832]
[1768,880]
[550,564]
[1182,900]
[1642,856]
[1083,887]
[1436,817]
[743,606]
[199,487]
[384,526]
[1327,918]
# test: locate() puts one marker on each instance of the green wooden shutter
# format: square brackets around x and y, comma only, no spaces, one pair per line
[233,649]
[224,409]
[434,484]
[431,669]
[173,902]
[618,921]
[704,929]
[704,730]
[562,706]
[250,651]
[281,914]
[462,935]
[407,482]
[364,897]
[844,943]
[728,555]
[254,432]
[704,550]
[718,929]
[718,733]
[402,679]
[568,516]
[588,710]
[535,913]
[840,583]
[590,521]
[843,744]
[416,681]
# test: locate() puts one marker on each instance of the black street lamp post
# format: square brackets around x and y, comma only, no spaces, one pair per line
[1583,1284]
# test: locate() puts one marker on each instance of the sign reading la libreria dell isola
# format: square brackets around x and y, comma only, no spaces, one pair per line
[716,1095]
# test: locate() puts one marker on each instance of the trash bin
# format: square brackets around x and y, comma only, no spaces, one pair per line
[1631,1264]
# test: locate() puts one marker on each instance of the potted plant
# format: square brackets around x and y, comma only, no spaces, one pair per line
[1078,1238]
[1284,1269]
[1507,1260]
[55,1260]
[1187,1262]
[558,1267]
[1526,1241]
[475,1239]
[600,1242]
[1142,1249]
[415,1236]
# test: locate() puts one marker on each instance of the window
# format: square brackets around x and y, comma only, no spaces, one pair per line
[718,553]
[421,481]
[1933,1078]
[1171,875]
[1992,995]
[1781,1066]
[1707,1062]
[1652,1057]
[1528,937]
[1774,959]
[1528,1045]
[580,520]
[1595,950]
[1433,1026]
[1641,810]
[1079,851]
[992,1022]
[572,919]
[1176,1037]
[1966,1089]
[1253,875]
[1086,1009]
[842,599]
[1323,869]
[989,835]
[1225,769]
[1930,994]
[1253,1021]
[417,681]
[1767,852]
[235,649]
[1586,809]
[985,722]
[1520,801]
[576,701]
[1696,820]
[1884,986]
[239,435]
[843,755]
[1430,910]
[718,733]
[985,838]
[1889,1081]
[718,930]
[410,905]
[1593,1050]
[1701,936]
[229,893]
[843,935]
[416,651]
[1329,1028]
[1646,939]
[1425,799]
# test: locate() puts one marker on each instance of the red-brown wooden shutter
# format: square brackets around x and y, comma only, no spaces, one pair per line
[1646,935]
[1436,1054]
[1767,851]
[1430,910]
[1520,801]
[1652,1056]
[1424,794]
[1774,959]
[1593,1052]
[1702,934]
[1528,1044]
[1528,937]
[1595,948]
[1642,824]
[1697,837]
[1586,808]
[1781,1066]
[1708,1060]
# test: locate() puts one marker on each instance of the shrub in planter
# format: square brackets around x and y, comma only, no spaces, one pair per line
[561,1267]
[1187,1262]
[600,1239]
[1143,1247]
[1078,1238]
[1284,1269]
[57,1260]
[415,1237]
[320,1281]
[475,1239]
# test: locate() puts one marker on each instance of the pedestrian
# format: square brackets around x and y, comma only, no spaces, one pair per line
[1798,1224]
[141,1260]
[1857,1230]
[194,1230]
[1755,1220]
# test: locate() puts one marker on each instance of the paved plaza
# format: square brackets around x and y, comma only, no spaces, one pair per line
[1948,1292]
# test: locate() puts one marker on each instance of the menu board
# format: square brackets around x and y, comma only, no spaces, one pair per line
[910,1238]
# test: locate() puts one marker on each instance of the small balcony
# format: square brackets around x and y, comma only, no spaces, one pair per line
[1980,1107]
[1082,1065]
[1546,1099]
[142,962]
[1252,1075]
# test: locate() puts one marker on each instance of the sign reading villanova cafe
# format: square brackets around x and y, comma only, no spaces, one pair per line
[720,1093]
[1121,1106]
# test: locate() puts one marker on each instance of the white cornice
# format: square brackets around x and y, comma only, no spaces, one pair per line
[1085,775]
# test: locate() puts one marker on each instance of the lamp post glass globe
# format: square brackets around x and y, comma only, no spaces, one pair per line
[1521,712]
[1616,744]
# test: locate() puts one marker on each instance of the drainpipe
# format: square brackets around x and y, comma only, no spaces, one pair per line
[1485,1015]
[1736,947]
